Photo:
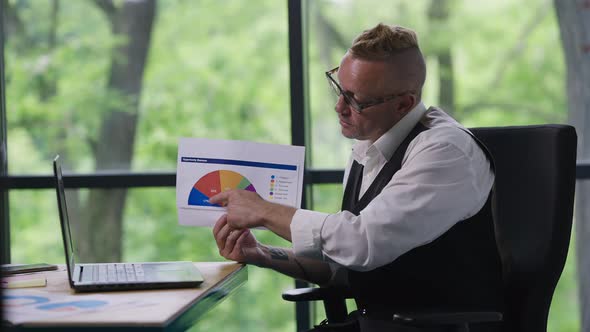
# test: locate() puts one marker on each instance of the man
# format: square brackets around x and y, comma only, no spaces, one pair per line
[415,232]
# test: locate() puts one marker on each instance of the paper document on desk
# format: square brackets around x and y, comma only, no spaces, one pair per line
[27,305]
[207,167]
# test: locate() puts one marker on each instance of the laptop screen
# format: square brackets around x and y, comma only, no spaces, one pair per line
[63,216]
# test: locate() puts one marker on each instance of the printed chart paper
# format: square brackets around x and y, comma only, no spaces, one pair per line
[207,167]
[20,306]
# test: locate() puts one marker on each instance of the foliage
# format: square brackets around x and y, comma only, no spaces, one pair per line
[220,70]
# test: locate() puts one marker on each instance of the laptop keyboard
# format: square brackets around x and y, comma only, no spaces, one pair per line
[117,272]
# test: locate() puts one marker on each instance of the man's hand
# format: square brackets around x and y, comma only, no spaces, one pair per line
[245,209]
[238,245]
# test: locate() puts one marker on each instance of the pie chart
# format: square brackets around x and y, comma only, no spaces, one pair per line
[215,182]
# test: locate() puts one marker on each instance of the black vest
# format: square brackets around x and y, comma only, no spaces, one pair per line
[459,271]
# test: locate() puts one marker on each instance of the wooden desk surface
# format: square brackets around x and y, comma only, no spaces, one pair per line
[158,310]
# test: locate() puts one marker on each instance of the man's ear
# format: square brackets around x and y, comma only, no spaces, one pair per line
[407,102]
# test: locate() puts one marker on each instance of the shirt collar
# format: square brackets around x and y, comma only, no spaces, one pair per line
[388,142]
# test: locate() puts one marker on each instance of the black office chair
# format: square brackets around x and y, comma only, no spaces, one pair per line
[533,208]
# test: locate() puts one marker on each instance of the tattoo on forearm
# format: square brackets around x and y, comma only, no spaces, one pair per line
[303,272]
[278,253]
[281,254]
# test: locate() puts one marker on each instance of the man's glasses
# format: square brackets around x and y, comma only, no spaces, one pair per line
[349,99]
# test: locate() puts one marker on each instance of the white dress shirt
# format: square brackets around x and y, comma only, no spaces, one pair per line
[444,178]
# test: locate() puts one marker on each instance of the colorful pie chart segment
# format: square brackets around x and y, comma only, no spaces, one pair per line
[215,182]
[72,306]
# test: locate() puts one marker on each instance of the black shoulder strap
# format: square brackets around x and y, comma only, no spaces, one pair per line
[353,186]
[350,200]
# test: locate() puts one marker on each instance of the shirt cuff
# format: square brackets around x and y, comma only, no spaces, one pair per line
[306,227]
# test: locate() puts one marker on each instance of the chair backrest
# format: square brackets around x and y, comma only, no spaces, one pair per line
[533,209]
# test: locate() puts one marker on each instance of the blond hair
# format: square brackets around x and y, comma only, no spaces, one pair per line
[383,41]
[395,44]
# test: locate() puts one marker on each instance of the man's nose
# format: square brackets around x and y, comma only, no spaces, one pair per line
[341,106]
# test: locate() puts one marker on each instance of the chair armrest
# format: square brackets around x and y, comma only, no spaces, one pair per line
[316,294]
[448,318]
[333,297]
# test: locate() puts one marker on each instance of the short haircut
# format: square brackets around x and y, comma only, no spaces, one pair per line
[395,44]
[383,41]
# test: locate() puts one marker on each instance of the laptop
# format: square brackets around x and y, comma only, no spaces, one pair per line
[117,276]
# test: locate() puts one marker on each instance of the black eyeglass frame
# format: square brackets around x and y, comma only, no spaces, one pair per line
[350,101]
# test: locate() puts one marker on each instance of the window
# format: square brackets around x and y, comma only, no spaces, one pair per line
[488,64]
[111,86]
